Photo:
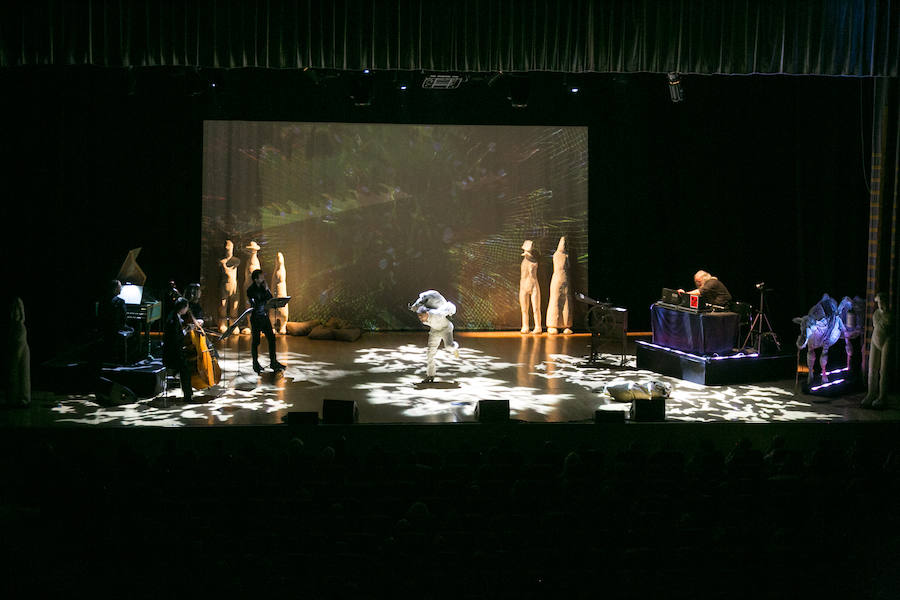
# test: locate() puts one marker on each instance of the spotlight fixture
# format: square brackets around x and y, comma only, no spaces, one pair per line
[442,82]
[676,93]
[573,90]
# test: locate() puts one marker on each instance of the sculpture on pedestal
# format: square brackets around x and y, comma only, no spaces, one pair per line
[251,265]
[529,288]
[279,279]
[228,286]
[559,314]
[879,354]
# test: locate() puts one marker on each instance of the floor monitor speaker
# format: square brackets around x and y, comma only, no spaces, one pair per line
[340,412]
[492,411]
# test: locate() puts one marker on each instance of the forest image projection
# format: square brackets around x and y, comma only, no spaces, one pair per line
[369,215]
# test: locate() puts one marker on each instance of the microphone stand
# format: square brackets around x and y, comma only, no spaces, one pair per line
[761,322]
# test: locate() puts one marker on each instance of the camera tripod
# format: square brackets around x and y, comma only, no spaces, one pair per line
[760,327]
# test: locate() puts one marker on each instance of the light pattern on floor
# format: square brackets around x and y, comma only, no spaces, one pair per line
[470,377]
[386,380]
[751,403]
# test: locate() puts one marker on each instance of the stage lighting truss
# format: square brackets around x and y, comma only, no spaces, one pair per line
[442,82]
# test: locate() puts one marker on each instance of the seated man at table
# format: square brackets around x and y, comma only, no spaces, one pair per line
[711,291]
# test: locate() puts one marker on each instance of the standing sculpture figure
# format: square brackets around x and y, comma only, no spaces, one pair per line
[18,392]
[228,286]
[559,315]
[279,278]
[879,354]
[529,288]
[251,266]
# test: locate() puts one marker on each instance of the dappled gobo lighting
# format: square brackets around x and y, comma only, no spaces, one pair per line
[386,381]
[461,384]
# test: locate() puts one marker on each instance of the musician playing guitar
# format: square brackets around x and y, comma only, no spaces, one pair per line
[174,357]
[258,294]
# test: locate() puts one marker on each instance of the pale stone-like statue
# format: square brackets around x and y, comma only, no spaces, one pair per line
[879,354]
[18,392]
[251,265]
[559,314]
[529,288]
[228,286]
[279,316]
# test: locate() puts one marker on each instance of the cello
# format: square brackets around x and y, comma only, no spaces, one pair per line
[206,371]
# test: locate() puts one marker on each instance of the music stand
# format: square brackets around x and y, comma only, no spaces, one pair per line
[277,303]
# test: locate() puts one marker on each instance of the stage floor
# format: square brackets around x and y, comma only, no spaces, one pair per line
[545,379]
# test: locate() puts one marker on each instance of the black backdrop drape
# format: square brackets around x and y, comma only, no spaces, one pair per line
[754,179]
[832,37]
[103,154]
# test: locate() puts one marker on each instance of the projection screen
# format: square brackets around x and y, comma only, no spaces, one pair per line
[369,215]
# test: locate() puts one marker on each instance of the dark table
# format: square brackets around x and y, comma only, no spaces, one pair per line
[701,333]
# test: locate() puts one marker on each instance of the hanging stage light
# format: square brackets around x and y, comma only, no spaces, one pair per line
[676,93]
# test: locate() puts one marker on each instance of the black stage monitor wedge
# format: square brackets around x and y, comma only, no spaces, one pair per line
[340,412]
[492,411]
[648,409]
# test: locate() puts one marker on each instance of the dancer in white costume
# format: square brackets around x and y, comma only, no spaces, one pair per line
[433,310]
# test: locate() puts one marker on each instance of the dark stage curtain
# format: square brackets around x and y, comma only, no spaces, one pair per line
[882,270]
[831,37]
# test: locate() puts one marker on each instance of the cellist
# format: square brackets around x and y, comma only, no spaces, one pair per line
[192,293]
[174,351]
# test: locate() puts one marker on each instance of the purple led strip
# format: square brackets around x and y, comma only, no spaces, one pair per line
[825,385]
[738,355]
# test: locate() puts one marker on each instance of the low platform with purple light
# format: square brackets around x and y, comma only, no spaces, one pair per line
[839,382]
[714,370]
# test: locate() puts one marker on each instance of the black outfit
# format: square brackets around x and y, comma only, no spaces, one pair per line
[114,329]
[194,308]
[715,292]
[259,324]
[174,353]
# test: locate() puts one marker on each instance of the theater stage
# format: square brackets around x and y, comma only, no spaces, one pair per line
[544,378]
